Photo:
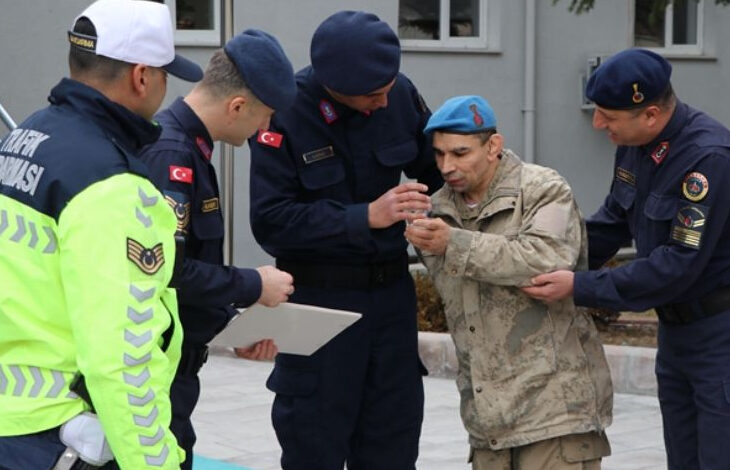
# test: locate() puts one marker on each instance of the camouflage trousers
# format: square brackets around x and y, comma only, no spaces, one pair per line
[572,452]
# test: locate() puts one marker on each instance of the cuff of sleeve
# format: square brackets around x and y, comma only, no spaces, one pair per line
[250,287]
[583,294]
[356,218]
[457,252]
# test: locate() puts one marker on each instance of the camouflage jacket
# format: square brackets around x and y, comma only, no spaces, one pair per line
[527,371]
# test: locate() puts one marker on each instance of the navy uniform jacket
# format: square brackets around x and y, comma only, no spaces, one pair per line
[180,166]
[672,197]
[310,195]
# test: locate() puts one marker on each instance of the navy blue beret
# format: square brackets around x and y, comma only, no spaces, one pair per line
[462,115]
[354,53]
[629,79]
[264,67]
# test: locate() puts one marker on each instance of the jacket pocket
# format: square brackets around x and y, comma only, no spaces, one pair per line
[624,194]
[397,155]
[378,176]
[660,210]
[321,174]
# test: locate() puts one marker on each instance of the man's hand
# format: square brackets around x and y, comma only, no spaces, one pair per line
[551,287]
[397,204]
[264,350]
[276,286]
[429,235]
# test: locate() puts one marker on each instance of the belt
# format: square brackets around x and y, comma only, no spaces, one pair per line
[81,465]
[192,359]
[682,313]
[345,276]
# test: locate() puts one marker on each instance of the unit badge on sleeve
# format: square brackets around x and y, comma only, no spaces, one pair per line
[695,186]
[148,260]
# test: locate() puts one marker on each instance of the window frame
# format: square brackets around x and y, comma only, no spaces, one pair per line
[487,40]
[669,47]
[200,37]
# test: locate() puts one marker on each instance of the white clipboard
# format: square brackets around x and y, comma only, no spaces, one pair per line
[295,328]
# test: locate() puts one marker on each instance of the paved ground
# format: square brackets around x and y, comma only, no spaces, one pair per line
[233,425]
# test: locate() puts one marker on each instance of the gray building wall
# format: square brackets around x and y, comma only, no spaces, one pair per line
[33,56]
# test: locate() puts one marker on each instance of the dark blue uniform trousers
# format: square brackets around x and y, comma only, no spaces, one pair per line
[39,451]
[359,399]
[693,375]
[184,395]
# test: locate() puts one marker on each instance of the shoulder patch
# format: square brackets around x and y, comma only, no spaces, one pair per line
[270,138]
[181,207]
[695,186]
[181,174]
[688,226]
[553,218]
[148,260]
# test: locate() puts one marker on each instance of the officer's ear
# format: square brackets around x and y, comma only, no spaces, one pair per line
[651,115]
[236,105]
[495,145]
[139,76]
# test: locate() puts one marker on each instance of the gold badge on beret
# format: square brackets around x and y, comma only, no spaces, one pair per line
[695,186]
[637,97]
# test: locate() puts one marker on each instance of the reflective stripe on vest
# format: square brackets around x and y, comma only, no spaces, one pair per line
[30,381]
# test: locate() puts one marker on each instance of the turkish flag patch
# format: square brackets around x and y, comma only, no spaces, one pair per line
[181,173]
[270,138]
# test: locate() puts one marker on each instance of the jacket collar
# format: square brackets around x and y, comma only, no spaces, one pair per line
[193,127]
[125,128]
[676,123]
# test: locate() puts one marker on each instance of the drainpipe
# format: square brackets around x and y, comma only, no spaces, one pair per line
[227,157]
[529,105]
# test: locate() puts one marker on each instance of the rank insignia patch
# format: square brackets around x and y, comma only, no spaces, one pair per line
[182,212]
[210,205]
[626,176]
[328,111]
[204,147]
[695,186]
[148,260]
[660,152]
[688,226]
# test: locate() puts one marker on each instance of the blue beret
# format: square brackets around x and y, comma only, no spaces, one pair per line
[462,115]
[264,67]
[629,79]
[354,53]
